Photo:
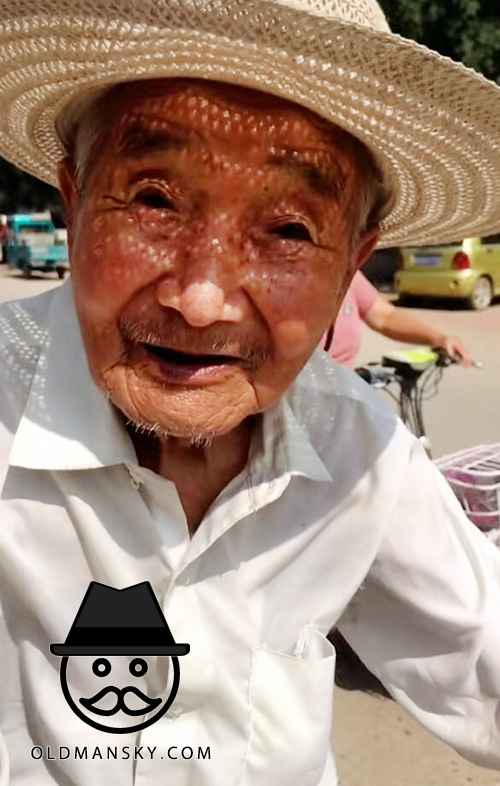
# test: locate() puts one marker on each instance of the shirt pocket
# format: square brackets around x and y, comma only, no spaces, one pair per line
[290,713]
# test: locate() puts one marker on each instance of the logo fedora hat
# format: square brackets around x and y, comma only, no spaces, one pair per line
[433,125]
[119,622]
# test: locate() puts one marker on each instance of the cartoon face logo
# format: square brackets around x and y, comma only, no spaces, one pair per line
[117,659]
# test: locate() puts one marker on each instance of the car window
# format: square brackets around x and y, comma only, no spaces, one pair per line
[449,245]
[35,229]
[491,240]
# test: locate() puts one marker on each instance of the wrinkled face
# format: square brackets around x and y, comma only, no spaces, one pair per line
[210,249]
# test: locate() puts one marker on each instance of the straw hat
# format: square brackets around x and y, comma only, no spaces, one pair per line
[433,124]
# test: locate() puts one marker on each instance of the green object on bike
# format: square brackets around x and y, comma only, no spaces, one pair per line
[418,358]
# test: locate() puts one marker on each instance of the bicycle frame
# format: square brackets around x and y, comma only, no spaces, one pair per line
[412,371]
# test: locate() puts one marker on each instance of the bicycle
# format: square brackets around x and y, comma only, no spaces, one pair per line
[411,377]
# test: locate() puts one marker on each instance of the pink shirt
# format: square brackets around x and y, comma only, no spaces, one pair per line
[359,299]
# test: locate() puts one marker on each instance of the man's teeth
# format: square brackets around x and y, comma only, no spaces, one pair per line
[188,359]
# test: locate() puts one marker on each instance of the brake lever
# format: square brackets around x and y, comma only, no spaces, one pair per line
[444,359]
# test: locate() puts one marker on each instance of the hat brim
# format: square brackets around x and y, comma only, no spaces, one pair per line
[69,649]
[433,124]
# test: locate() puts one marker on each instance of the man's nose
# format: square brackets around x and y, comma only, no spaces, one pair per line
[207,286]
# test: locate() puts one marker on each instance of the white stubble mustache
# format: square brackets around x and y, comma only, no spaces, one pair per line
[200,341]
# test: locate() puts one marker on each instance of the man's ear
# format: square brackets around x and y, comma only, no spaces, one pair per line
[67,186]
[365,247]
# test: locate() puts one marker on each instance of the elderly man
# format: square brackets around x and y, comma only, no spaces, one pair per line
[226,168]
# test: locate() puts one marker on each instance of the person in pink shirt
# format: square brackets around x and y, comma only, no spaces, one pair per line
[363,303]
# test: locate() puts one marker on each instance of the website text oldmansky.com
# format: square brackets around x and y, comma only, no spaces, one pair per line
[84,753]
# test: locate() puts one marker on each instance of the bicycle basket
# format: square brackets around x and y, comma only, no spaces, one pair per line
[474,475]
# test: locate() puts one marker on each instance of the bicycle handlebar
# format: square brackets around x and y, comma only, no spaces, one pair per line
[377,376]
[416,374]
[447,360]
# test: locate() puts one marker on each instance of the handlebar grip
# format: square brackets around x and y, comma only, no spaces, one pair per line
[365,374]
[443,358]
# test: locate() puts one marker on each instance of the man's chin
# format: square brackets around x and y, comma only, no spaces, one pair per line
[196,415]
[196,434]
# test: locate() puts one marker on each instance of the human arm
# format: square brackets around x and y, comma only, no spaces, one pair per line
[427,618]
[397,324]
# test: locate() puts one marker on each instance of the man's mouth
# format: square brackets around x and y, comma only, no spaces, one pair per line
[179,367]
[192,359]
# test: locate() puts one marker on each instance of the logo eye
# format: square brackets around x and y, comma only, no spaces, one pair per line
[138,667]
[101,667]
[154,198]
[293,230]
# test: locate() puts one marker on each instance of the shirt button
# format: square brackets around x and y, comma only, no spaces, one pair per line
[135,482]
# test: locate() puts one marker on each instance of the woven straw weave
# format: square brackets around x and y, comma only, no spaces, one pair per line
[434,125]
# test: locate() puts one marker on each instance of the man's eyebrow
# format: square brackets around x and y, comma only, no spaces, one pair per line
[138,140]
[328,180]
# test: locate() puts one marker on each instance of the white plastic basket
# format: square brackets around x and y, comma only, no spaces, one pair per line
[474,475]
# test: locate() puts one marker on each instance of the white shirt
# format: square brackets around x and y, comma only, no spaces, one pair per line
[338,517]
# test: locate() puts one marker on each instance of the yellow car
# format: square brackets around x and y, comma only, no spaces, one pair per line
[469,270]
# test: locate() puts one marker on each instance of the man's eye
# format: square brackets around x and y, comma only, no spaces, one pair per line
[154,199]
[293,230]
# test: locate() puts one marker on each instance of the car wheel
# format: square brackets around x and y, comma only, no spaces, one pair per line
[481,295]
[26,268]
[60,272]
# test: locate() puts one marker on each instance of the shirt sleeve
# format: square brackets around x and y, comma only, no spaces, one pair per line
[364,292]
[427,619]
[4,763]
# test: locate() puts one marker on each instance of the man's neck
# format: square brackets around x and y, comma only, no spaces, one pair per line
[199,472]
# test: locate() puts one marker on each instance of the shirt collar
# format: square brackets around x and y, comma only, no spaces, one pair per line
[68,424]
[284,448]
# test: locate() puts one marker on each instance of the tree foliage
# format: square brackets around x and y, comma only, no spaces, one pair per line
[19,193]
[466,30]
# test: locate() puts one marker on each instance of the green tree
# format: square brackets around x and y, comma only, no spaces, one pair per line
[20,192]
[466,30]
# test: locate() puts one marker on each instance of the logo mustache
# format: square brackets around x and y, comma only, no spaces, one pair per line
[120,694]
